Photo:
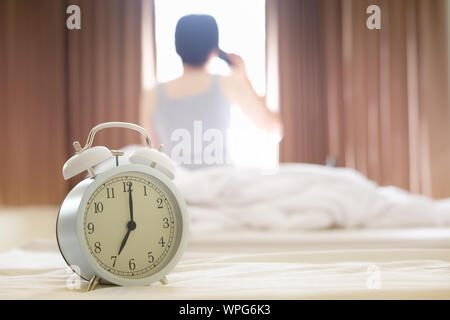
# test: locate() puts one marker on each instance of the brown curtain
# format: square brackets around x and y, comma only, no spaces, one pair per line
[32,101]
[301,74]
[56,84]
[377,100]
[104,70]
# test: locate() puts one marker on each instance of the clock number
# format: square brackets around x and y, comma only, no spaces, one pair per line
[110,193]
[131,264]
[151,258]
[145,191]
[90,228]
[98,206]
[165,223]
[162,242]
[98,248]
[129,184]
[160,203]
[114,262]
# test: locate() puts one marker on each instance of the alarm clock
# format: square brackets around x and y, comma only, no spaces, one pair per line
[126,225]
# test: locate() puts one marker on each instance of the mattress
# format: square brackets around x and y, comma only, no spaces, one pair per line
[323,233]
[327,264]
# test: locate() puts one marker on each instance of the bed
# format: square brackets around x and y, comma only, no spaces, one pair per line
[343,239]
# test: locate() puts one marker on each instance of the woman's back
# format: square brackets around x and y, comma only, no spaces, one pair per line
[191,115]
[192,118]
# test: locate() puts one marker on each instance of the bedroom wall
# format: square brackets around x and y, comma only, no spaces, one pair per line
[376,100]
[56,84]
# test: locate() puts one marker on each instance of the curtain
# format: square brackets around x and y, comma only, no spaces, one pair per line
[104,70]
[56,84]
[32,99]
[375,100]
[301,74]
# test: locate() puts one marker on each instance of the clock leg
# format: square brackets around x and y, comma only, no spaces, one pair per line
[164,280]
[93,283]
[160,149]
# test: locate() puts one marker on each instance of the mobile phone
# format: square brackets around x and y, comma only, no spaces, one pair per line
[224,56]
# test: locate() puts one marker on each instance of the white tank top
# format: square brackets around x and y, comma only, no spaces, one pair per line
[188,126]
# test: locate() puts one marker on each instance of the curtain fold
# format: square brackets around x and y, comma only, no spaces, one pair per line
[104,70]
[433,97]
[56,84]
[301,103]
[32,101]
[375,100]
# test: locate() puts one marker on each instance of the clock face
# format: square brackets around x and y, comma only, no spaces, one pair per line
[132,225]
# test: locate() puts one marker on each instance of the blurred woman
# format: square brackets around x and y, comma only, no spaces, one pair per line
[199,100]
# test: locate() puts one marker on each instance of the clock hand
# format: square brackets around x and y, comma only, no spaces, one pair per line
[130,226]
[130,200]
[124,241]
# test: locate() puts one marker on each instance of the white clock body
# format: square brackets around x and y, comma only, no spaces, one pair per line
[152,249]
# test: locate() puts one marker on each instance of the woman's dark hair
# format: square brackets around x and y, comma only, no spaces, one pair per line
[196,35]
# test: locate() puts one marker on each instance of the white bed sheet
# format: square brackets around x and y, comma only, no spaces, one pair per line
[245,244]
[340,264]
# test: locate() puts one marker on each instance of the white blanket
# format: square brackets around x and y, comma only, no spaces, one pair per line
[299,197]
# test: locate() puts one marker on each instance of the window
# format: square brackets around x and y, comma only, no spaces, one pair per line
[242,31]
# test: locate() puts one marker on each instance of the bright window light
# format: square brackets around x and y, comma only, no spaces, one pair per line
[241,31]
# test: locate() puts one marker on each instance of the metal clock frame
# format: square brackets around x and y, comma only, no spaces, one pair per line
[70,234]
